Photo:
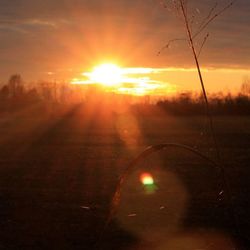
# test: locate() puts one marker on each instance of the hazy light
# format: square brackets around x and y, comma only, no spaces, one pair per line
[107,74]
[136,81]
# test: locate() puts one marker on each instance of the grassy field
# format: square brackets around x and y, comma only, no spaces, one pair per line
[59,171]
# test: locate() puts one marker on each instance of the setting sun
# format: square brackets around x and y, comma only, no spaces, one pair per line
[137,81]
[107,74]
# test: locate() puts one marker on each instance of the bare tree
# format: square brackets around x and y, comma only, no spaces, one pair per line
[15,85]
[245,87]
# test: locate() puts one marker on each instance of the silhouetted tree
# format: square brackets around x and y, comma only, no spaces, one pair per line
[4,96]
[15,85]
[245,87]
[46,91]
[32,96]
[4,92]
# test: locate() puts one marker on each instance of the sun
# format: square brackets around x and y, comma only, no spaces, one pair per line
[134,81]
[107,74]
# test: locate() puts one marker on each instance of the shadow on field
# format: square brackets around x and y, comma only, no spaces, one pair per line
[55,192]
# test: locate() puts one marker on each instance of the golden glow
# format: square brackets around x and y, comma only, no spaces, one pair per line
[126,81]
[167,81]
[107,74]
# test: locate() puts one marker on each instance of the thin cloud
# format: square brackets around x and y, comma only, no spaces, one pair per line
[135,81]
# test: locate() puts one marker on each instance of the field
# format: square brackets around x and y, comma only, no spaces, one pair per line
[60,169]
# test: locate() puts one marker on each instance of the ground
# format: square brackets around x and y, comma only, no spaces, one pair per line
[59,170]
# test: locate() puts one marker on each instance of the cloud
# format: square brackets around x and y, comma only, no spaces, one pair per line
[135,81]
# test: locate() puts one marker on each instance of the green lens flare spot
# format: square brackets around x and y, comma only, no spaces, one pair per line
[148,183]
[147,179]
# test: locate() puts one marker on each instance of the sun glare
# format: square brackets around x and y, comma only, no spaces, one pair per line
[107,74]
[110,77]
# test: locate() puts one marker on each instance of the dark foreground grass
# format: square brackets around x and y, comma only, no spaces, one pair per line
[58,174]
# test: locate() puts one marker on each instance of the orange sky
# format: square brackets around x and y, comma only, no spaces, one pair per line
[170,80]
[59,40]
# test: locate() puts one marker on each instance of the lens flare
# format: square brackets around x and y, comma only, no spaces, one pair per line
[147,179]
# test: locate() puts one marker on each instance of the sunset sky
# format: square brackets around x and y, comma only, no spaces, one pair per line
[65,39]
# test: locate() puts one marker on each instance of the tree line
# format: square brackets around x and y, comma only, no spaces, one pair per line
[16,95]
